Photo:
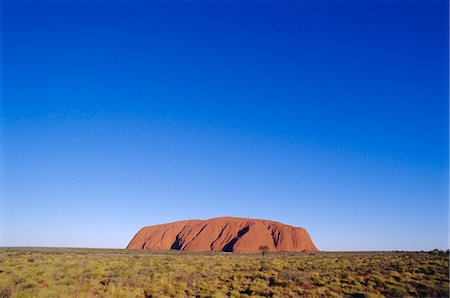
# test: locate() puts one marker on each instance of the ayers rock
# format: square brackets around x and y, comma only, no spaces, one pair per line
[228,234]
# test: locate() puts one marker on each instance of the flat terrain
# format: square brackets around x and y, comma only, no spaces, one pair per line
[46,272]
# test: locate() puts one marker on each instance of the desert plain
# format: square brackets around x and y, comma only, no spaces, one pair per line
[64,272]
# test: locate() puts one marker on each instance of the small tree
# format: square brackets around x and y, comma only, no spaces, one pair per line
[264,249]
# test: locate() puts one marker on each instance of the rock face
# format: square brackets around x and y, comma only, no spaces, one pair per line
[228,234]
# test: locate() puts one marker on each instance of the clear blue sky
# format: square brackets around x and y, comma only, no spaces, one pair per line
[329,115]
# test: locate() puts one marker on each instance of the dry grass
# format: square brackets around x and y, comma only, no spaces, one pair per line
[27,272]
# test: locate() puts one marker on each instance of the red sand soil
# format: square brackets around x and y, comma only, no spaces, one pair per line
[229,234]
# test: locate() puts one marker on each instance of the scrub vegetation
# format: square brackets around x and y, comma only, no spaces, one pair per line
[46,272]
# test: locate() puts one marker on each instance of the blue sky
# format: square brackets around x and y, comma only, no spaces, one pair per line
[331,115]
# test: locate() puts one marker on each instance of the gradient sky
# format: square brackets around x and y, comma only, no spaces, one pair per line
[329,115]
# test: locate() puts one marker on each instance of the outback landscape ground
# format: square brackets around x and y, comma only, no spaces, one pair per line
[57,272]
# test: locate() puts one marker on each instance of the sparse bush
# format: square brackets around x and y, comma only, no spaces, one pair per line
[264,249]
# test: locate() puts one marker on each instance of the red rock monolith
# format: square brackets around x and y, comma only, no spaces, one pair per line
[228,234]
